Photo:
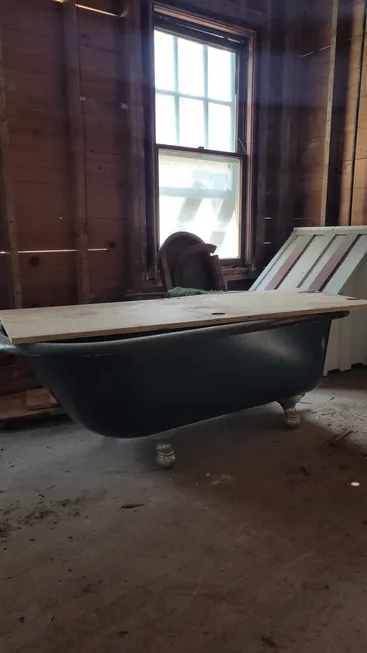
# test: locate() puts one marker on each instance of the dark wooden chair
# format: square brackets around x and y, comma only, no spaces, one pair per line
[185,261]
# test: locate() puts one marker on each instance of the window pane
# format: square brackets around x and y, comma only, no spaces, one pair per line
[221,71]
[190,68]
[220,127]
[200,193]
[191,123]
[165,119]
[164,62]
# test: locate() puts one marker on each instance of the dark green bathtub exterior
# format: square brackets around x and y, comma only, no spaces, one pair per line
[128,387]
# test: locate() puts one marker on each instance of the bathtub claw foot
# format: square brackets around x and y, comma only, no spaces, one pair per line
[292,418]
[166,456]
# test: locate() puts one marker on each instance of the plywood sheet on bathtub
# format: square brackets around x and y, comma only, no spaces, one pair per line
[65,322]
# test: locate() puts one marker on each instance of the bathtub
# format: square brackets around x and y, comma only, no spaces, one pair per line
[151,384]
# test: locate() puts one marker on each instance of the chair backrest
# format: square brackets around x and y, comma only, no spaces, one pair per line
[185,260]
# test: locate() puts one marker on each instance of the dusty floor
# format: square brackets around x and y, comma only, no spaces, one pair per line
[256,541]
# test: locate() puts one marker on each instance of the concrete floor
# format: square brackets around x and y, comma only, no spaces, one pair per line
[255,541]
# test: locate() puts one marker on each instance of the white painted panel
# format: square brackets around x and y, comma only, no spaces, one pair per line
[346,335]
[307,262]
[360,317]
[274,265]
[343,231]
[347,267]
[321,262]
[332,354]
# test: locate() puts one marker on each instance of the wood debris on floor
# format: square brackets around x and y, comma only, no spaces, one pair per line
[31,403]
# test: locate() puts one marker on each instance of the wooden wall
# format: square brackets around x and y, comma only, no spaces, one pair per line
[72,222]
[353,206]
[72,167]
[330,103]
[64,153]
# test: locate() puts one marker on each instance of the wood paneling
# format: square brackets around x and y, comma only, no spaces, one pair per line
[5,281]
[7,207]
[77,145]
[48,279]
[105,66]
[353,130]
[316,26]
[244,12]
[40,17]
[43,213]
[108,275]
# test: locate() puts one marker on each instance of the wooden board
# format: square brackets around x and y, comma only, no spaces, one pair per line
[59,323]
[23,405]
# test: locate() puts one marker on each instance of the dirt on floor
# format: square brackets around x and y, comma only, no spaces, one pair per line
[255,541]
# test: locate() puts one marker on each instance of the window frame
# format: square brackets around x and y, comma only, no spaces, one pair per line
[243,42]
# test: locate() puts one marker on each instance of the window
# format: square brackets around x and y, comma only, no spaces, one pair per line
[203,132]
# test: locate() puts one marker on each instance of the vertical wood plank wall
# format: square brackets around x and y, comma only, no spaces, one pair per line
[72,184]
[353,207]
[315,60]
[67,156]
[329,134]
[72,221]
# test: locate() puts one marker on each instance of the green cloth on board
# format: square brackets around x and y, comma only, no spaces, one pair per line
[187,292]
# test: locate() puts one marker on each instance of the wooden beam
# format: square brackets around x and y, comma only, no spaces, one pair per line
[357,111]
[6,191]
[262,102]
[136,196]
[289,120]
[330,116]
[77,146]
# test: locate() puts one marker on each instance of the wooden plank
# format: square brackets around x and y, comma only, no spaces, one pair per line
[300,246]
[5,281]
[278,259]
[255,239]
[14,406]
[98,31]
[112,284]
[35,92]
[254,227]
[6,190]
[103,130]
[330,117]
[41,325]
[351,116]
[360,174]
[237,10]
[39,398]
[44,216]
[99,66]
[29,53]
[105,233]
[333,263]
[48,278]
[361,147]
[289,122]
[131,53]
[77,138]
[316,26]
[39,131]
[41,17]
[297,276]
[359,209]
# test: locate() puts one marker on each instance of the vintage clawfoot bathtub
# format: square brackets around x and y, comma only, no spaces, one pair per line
[140,385]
